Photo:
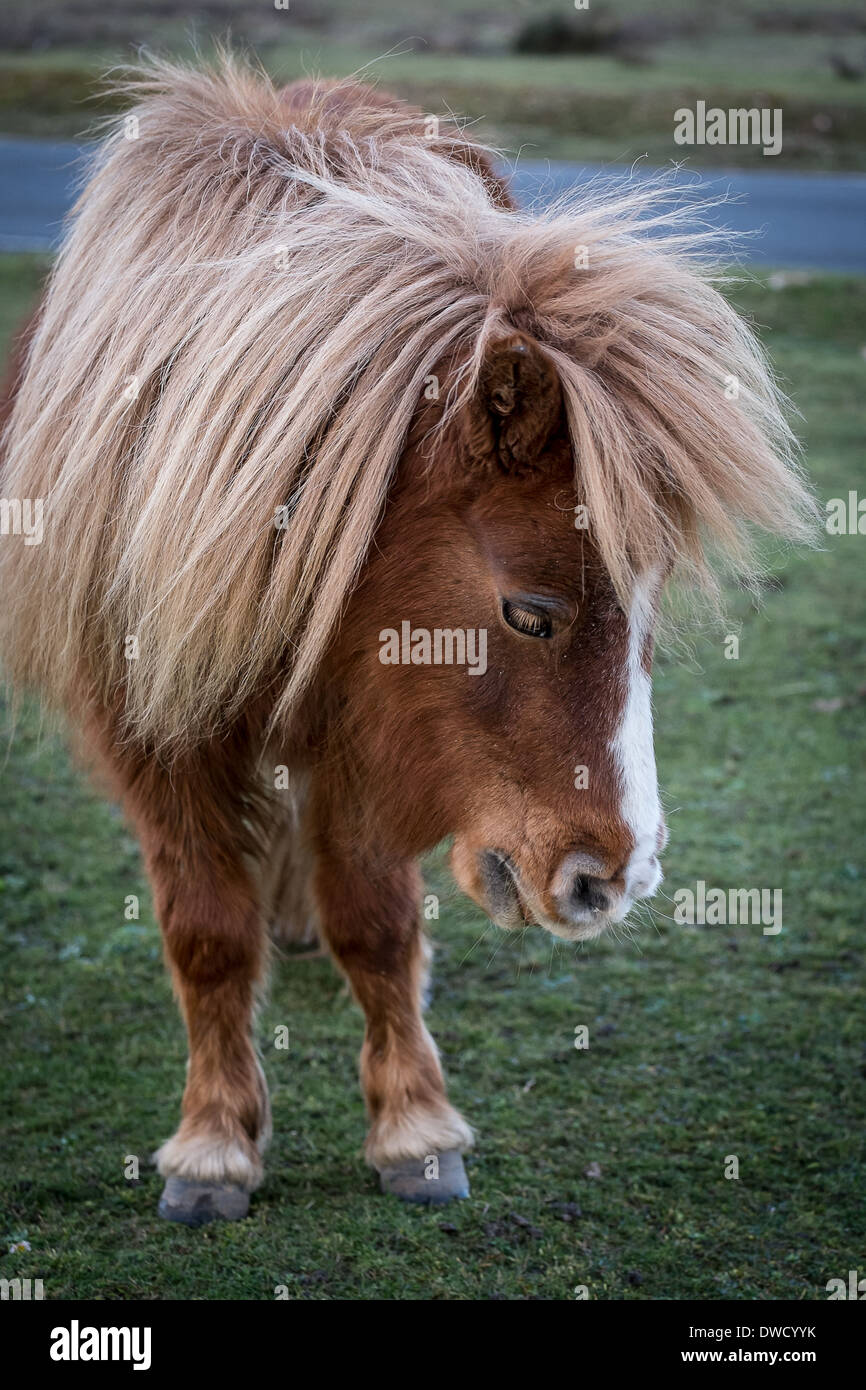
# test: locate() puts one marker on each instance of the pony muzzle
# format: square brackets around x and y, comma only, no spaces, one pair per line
[581,900]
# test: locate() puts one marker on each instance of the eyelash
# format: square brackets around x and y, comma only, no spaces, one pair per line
[524,621]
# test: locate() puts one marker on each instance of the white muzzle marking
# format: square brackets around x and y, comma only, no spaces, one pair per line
[633,751]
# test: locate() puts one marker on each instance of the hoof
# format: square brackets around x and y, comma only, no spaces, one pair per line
[196,1203]
[408,1179]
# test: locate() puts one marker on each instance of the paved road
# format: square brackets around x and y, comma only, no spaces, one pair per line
[795,220]
[815,221]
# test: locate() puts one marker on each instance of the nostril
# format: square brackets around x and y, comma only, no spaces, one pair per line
[587,892]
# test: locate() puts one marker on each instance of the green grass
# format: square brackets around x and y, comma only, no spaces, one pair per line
[704,1042]
[457,58]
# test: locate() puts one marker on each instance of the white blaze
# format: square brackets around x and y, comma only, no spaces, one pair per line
[633,744]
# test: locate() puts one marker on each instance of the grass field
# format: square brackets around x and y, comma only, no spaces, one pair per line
[705,1042]
[616,103]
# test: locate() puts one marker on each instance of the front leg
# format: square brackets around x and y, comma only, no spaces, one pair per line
[372,924]
[196,820]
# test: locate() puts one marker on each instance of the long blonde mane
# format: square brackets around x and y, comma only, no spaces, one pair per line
[242,320]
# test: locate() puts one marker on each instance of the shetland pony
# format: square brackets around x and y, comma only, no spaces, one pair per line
[304,383]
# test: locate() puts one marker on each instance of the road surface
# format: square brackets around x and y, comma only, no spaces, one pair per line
[792,220]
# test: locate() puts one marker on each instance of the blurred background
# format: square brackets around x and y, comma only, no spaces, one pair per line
[597,84]
[602,1167]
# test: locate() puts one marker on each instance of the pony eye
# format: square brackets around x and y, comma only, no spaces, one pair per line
[527,621]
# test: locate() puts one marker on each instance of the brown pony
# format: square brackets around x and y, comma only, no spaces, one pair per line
[361,487]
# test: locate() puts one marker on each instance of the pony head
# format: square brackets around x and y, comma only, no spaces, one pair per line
[491,680]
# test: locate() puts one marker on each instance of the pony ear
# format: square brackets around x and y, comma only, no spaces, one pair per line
[517,405]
